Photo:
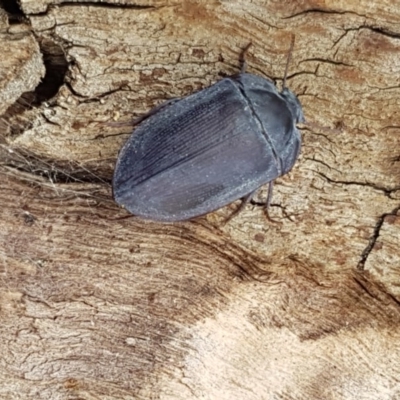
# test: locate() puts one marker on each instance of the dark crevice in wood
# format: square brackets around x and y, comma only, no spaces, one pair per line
[374,238]
[93,4]
[104,4]
[387,191]
[382,31]
[13,10]
[327,61]
[321,11]
[56,67]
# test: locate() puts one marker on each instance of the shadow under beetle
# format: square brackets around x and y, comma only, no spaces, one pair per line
[193,155]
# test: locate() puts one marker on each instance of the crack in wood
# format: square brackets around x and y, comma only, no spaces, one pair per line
[373,239]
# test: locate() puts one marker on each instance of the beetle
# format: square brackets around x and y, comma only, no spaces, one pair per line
[193,155]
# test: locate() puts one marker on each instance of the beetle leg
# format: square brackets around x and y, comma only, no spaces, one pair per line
[248,197]
[269,197]
[268,203]
[242,59]
[245,200]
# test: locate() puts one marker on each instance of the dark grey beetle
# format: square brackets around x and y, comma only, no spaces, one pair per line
[199,153]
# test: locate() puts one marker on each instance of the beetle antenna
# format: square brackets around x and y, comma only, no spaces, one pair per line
[242,59]
[288,62]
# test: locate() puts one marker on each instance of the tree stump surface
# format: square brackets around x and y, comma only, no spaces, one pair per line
[96,305]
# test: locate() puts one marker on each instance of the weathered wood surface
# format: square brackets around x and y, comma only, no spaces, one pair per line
[93,305]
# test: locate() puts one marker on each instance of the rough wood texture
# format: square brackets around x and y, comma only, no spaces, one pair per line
[94,305]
